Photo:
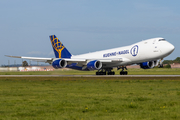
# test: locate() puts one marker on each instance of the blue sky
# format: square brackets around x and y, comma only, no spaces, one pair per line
[84,25]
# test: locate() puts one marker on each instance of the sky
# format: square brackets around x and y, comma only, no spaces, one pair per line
[84,25]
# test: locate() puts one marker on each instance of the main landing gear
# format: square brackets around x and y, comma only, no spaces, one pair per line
[110,72]
[105,72]
[123,72]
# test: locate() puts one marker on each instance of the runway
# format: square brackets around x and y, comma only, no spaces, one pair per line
[105,76]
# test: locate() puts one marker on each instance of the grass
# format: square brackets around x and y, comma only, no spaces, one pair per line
[69,98]
[154,71]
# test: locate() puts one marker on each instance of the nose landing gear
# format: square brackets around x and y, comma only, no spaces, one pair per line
[160,63]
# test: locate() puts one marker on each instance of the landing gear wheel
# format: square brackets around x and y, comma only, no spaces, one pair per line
[111,73]
[160,65]
[100,73]
[126,72]
[106,71]
[123,73]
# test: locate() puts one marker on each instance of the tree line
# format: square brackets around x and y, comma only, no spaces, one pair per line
[177,60]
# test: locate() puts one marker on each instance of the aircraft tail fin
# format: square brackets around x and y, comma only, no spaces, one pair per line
[59,49]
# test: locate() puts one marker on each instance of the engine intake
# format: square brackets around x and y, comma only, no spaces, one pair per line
[156,63]
[147,65]
[60,63]
[94,65]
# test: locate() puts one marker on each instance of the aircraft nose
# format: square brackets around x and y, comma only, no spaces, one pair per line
[167,48]
[170,47]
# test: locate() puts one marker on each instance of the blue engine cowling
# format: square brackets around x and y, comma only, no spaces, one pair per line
[60,63]
[94,65]
[147,65]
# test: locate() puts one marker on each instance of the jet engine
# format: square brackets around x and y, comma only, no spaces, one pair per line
[60,63]
[156,63]
[94,65]
[147,65]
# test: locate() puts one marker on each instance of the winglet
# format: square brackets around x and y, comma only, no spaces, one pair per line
[59,49]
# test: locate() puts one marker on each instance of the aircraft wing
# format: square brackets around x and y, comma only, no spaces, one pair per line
[86,60]
[46,60]
[83,62]
[80,61]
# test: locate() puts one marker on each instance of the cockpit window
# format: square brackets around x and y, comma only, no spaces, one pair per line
[162,40]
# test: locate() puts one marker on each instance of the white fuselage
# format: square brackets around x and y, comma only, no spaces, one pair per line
[146,50]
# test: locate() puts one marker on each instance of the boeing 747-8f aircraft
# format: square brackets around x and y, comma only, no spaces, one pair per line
[145,53]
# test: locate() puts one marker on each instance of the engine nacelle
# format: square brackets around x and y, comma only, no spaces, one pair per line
[60,63]
[147,65]
[94,65]
[156,63]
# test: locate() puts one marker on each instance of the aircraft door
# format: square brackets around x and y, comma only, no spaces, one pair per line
[156,50]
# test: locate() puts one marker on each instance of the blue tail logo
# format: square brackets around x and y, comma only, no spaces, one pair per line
[59,49]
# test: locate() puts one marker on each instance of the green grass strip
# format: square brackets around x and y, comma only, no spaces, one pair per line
[69,98]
